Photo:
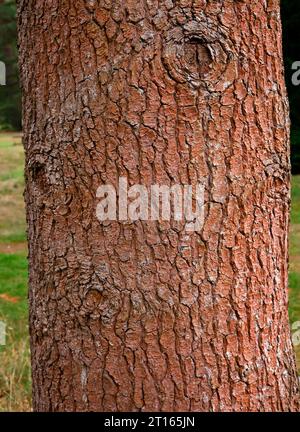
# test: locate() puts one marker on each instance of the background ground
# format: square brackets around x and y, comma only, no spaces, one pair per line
[14,357]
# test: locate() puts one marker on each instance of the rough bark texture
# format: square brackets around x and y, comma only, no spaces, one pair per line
[141,316]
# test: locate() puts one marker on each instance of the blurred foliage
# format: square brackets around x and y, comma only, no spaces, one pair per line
[10,98]
[290,14]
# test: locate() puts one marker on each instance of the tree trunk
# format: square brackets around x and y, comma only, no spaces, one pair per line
[141,316]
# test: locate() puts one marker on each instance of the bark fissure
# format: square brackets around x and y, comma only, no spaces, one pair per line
[143,316]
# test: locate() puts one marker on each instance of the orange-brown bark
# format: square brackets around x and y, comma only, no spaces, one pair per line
[140,316]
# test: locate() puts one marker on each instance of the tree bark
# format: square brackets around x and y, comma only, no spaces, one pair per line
[141,316]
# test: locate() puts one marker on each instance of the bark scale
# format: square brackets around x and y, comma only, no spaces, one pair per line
[141,316]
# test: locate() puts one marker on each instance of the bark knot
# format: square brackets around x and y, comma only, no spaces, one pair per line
[198,53]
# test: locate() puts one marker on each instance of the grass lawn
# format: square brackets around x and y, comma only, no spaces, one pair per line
[14,356]
[12,220]
[294,276]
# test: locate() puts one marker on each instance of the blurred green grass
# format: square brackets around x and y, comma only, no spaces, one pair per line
[14,357]
[294,274]
[294,277]
[15,381]
[295,212]
[12,215]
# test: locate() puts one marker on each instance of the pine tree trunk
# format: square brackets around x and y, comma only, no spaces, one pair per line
[141,316]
